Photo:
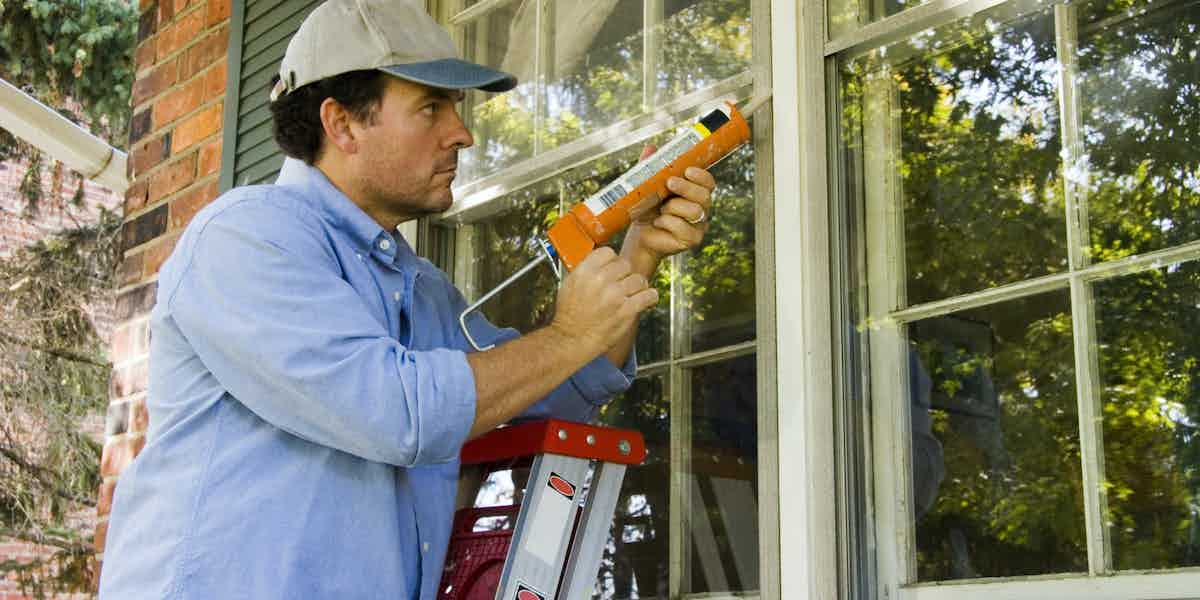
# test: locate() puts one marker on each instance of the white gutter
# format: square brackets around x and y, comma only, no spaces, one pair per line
[54,134]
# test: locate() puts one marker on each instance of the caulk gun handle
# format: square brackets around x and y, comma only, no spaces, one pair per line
[579,231]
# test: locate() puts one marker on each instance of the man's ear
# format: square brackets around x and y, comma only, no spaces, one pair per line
[336,121]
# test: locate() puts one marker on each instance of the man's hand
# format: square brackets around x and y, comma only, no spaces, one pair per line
[600,301]
[674,225]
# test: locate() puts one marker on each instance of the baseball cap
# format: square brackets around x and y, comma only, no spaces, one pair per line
[394,36]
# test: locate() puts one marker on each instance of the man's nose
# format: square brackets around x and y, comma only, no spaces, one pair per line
[460,137]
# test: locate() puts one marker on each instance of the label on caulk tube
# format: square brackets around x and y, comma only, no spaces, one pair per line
[623,185]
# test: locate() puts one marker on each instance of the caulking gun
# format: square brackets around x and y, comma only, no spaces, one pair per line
[608,211]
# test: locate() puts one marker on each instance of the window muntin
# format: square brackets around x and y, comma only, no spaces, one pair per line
[1126,210]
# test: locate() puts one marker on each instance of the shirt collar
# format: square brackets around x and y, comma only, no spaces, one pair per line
[343,213]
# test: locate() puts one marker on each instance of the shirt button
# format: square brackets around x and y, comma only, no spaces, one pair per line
[396,295]
[425,547]
[384,244]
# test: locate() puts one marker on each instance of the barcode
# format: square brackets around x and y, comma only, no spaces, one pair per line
[610,197]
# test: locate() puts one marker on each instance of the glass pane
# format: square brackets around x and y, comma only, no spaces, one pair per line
[996,468]
[502,248]
[957,133]
[501,123]
[724,477]
[700,42]
[718,277]
[595,77]
[1139,86]
[1149,355]
[847,15]
[635,562]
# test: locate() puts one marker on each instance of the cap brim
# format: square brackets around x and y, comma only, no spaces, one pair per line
[454,74]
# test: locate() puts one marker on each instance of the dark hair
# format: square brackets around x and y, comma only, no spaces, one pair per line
[297,115]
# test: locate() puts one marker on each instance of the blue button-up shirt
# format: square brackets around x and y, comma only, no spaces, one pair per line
[309,394]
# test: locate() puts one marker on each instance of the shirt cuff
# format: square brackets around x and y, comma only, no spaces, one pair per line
[599,380]
[444,426]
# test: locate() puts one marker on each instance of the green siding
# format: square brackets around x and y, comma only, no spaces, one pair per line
[259,35]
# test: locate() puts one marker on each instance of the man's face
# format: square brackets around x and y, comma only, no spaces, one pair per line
[408,156]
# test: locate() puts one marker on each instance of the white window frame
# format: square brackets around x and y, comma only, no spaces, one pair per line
[887,316]
[481,199]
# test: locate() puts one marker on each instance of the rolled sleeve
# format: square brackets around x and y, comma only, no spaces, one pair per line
[444,428]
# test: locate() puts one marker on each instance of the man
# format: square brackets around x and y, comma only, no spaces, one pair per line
[310,389]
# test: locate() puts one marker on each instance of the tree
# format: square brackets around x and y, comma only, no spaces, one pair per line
[78,58]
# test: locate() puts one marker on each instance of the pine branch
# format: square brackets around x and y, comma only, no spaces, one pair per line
[58,352]
[43,476]
[71,545]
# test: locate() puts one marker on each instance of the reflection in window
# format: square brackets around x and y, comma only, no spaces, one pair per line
[724,477]
[588,69]
[634,564]
[995,443]
[718,277]
[977,156]
[1140,87]
[1149,352]
[501,123]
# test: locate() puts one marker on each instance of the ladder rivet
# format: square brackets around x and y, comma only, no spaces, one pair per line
[623,446]
[591,440]
[562,434]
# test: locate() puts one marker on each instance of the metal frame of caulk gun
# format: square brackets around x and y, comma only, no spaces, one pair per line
[548,252]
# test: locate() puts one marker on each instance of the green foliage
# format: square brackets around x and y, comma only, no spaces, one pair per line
[78,53]
[76,57]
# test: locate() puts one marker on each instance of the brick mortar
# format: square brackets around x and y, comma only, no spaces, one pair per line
[191,187]
[149,103]
[174,57]
[175,20]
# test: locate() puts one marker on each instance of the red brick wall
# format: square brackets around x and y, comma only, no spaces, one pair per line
[175,156]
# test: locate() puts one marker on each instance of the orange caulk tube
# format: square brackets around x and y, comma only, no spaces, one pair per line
[597,219]
[610,210]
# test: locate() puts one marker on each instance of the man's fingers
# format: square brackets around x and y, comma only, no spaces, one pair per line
[685,233]
[643,300]
[633,283]
[690,190]
[597,259]
[692,212]
[701,176]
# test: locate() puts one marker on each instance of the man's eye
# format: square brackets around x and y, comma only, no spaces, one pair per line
[429,108]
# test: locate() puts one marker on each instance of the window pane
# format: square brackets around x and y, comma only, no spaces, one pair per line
[701,43]
[957,134]
[718,277]
[501,123]
[634,564]
[1149,354]
[1140,87]
[502,248]
[595,78]
[724,481]
[995,444]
